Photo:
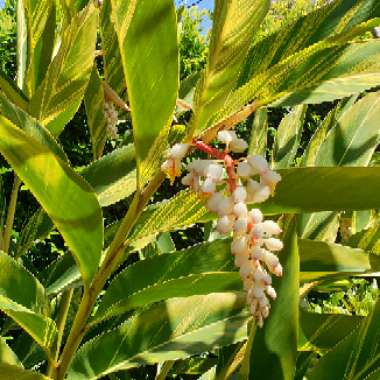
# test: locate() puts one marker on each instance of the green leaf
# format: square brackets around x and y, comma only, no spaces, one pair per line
[23,299]
[174,329]
[356,357]
[319,225]
[180,211]
[323,189]
[355,137]
[61,275]
[113,68]
[113,177]
[94,103]
[65,196]
[323,72]
[368,239]
[319,332]
[37,228]
[8,371]
[30,126]
[58,97]
[7,356]
[288,137]
[40,25]
[10,90]
[274,347]
[235,23]
[259,132]
[336,17]
[320,259]
[201,269]
[350,142]
[149,54]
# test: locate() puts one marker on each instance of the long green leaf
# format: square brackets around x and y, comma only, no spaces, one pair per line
[320,259]
[355,358]
[235,23]
[11,91]
[40,23]
[150,61]
[175,329]
[180,211]
[323,72]
[188,272]
[274,348]
[322,189]
[23,299]
[113,68]
[113,177]
[320,332]
[259,133]
[58,97]
[355,137]
[336,17]
[351,142]
[64,195]
[7,356]
[94,103]
[288,137]
[8,371]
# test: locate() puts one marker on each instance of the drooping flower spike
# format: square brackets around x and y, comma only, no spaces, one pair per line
[229,187]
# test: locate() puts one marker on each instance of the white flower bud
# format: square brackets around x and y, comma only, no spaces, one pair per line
[226,136]
[240,210]
[273,244]
[256,216]
[179,151]
[257,292]
[258,163]
[226,206]
[256,253]
[277,270]
[244,170]
[270,228]
[238,145]
[224,224]
[187,180]
[253,186]
[271,292]
[270,178]
[257,231]
[239,245]
[261,195]
[239,194]
[242,260]
[214,171]
[208,186]
[265,311]
[240,226]
[245,271]
[214,201]
[167,165]
[262,277]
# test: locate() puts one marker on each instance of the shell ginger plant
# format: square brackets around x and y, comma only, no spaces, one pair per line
[105,308]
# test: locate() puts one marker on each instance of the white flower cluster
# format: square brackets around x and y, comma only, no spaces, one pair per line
[112,118]
[230,185]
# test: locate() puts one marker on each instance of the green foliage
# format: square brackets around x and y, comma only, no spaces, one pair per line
[127,295]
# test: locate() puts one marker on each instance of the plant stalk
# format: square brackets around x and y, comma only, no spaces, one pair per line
[11,214]
[113,259]
[61,322]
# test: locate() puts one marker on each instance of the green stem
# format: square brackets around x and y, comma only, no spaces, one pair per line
[11,214]
[61,322]
[113,259]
